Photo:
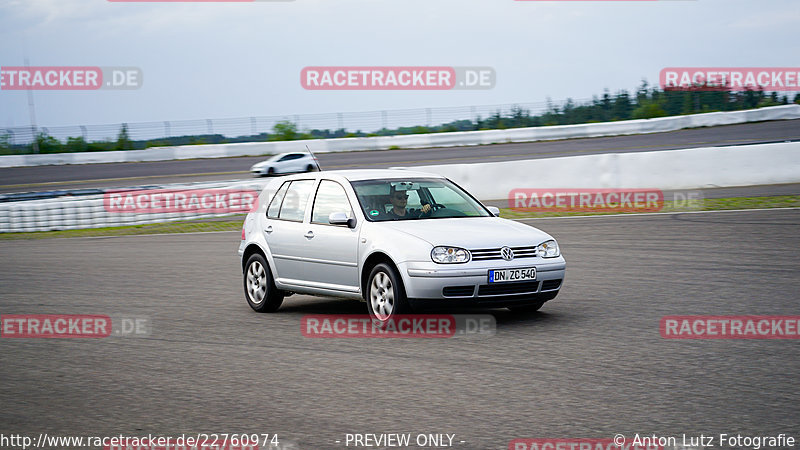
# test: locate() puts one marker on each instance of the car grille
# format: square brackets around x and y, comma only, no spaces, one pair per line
[486,254]
[524,287]
[548,285]
[458,291]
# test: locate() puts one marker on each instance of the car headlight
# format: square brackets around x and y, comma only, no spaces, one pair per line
[450,255]
[548,249]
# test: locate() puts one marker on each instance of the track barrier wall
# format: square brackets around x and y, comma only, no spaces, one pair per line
[670,169]
[454,139]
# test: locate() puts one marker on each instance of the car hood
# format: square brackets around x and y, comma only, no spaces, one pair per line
[471,232]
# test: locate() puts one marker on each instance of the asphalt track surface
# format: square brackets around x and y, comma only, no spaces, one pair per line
[590,364]
[40,178]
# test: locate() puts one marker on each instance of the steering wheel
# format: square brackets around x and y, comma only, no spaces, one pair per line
[446,212]
[434,206]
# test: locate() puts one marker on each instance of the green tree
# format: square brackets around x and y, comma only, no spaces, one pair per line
[76,144]
[649,109]
[123,140]
[101,146]
[622,106]
[48,144]
[285,131]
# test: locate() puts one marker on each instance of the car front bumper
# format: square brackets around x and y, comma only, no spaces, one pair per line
[468,284]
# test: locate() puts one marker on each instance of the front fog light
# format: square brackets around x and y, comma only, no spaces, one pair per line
[548,249]
[449,255]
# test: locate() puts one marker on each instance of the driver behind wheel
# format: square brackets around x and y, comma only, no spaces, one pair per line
[399,200]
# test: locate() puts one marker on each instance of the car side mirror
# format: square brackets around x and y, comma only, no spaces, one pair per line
[494,210]
[340,218]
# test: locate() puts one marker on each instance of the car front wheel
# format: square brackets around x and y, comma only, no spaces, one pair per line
[259,288]
[385,294]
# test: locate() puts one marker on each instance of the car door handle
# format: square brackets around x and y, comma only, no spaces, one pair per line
[309,235]
[268,229]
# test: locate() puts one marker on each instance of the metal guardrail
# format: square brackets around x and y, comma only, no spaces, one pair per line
[365,121]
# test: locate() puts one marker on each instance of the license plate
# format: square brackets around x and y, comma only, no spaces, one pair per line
[506,275]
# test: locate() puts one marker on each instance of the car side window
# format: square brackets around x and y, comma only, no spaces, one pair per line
[275,204]
[295,201]
[330,198]
[291,157]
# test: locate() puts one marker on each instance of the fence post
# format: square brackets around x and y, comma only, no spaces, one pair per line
[341,120]
[384,119]
[166,129]
[253,126]
[210,126]
[10,133]
[84,133]
[428,116]
[35,140]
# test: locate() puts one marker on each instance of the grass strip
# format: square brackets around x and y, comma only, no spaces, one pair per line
[234,223]
[709,204]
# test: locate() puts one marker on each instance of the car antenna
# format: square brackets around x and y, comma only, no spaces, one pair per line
[316,161]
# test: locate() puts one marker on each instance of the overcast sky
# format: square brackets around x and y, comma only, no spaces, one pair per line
[217,60]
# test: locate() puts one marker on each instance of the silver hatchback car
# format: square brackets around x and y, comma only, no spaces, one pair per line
[396,239]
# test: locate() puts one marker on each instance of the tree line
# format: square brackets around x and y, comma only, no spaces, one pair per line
[646,103]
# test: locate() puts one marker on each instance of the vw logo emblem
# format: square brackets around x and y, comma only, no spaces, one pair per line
[507,253]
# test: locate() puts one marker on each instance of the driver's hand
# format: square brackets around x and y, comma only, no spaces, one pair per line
[426,208]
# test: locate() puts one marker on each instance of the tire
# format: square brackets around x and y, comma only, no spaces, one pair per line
[271,171]
[311,168]
[385,295]
[259,288]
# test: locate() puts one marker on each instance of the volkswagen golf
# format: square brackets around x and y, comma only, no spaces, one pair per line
[395,239]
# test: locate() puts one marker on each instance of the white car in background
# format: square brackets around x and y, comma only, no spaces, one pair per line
[282,163]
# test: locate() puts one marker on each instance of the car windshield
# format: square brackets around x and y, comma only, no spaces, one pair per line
[417,198]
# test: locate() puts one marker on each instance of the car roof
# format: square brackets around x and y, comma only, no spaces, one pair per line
[376,174]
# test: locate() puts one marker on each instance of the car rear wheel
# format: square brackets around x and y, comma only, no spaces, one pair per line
[259,288]
[310,168]
[385,294]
